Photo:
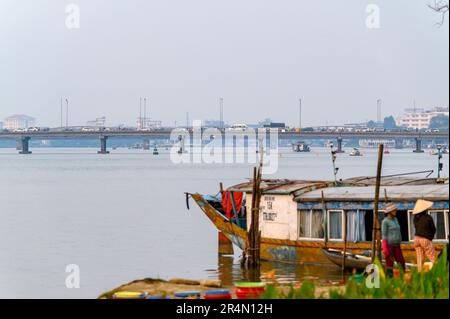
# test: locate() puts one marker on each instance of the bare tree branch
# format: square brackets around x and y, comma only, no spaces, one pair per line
[440,7]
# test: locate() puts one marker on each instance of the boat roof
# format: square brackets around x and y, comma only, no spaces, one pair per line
[356,188]
[367,193]
[281,186]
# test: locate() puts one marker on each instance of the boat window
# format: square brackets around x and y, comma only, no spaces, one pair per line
[440,218]
[311,224]
[335,223]
[440,221]
[356,231]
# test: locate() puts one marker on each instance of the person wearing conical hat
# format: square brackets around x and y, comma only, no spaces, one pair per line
[391,238]
[424,232]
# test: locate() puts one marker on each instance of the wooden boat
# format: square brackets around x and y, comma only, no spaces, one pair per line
[298,218]
[352,261]
[355,152]
[300,147]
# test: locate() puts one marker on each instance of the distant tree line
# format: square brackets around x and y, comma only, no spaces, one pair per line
[438,122]
[388,123]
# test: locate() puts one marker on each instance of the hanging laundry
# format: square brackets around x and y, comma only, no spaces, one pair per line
[227,202]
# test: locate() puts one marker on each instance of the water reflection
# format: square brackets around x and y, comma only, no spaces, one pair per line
[229,271]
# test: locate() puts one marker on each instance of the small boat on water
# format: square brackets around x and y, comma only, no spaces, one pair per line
[436,152]
[355,152]
[300,147]
[299,218]
[352,261]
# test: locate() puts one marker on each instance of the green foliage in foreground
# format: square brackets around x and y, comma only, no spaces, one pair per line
[414,285]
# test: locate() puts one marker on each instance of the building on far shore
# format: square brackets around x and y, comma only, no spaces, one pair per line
[19,121]
[98,122]
[1,125]
[145,123]
[355,126]
[419,118]
[213,123]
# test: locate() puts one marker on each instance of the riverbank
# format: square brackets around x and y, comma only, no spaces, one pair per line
[167,288]
[431,284]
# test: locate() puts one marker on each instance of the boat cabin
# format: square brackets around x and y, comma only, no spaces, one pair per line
[317,210]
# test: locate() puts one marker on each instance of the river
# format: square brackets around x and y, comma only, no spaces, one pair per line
[122,216]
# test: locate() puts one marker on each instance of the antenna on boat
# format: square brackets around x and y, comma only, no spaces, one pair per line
[440,165]
[333,159]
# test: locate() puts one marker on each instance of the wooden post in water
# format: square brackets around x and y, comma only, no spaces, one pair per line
[254,234]
[376,231]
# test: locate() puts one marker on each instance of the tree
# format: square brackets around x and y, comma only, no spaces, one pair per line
[441,7]
[389,123]
[439,122]
[371,124]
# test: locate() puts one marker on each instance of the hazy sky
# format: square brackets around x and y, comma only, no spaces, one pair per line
[260,55]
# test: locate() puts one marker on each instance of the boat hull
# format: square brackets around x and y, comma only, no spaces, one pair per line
[291,251]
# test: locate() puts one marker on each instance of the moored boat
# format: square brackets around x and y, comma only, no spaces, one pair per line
[299,218]
[300,147]
[355,152]
[352,261]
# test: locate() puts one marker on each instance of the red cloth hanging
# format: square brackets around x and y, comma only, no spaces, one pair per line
[227,204]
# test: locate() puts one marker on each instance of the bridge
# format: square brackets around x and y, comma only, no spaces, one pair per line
[23,138]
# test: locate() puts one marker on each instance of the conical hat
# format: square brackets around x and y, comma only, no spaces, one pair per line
[421,206]
[390,207]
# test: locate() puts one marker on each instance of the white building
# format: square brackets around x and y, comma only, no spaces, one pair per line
[143,123]
[419,118]
[98,122]
[18,121]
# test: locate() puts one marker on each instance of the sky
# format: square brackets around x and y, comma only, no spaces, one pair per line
[261,56]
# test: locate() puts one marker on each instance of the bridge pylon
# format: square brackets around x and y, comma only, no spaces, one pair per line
[418,145]
[24,145]
[103,146]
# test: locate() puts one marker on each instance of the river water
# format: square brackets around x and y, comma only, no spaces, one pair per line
[122,216]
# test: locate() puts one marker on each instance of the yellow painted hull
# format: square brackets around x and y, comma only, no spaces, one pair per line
[291,251]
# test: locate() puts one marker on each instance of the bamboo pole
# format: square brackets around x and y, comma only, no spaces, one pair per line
[254,234]
[376,231]
[250,234]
